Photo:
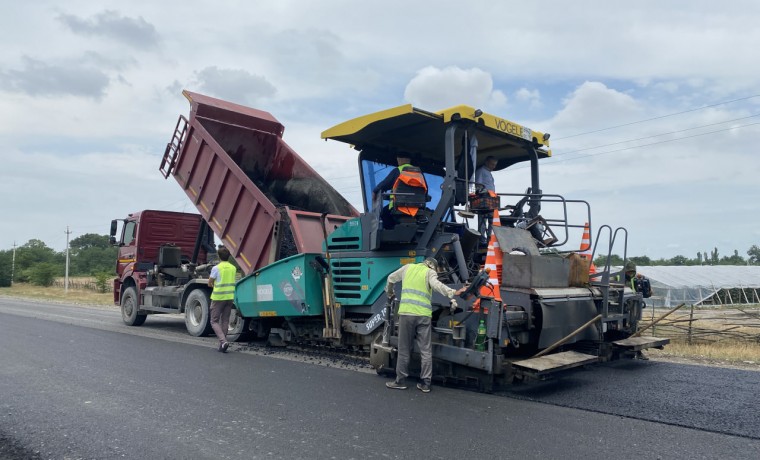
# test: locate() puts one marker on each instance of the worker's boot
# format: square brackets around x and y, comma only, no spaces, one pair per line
[396,385]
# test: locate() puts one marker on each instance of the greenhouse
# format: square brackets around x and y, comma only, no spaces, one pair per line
[703,285]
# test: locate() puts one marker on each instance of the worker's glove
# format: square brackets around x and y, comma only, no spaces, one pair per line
[391,295]
[453,306]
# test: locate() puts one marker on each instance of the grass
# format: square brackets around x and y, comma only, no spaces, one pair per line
[58,294]
[725,335]
[728,351]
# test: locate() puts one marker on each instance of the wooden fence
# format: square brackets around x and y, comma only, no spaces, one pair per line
[88,285]
[699,326]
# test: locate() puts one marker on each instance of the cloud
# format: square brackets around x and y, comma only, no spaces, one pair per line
[316,50]
[108,62]
[134,32]
[73,78]
[531,97]
[234,85]
[594,105]
[435,89]
[81,185]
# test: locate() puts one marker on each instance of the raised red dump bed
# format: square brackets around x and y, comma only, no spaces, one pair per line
[259,197]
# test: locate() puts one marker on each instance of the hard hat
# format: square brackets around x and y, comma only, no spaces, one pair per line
[431,263]
[630,266]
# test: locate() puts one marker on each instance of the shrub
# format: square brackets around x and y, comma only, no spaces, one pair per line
[6,262]
[5,276]
[43,274]
[102,281]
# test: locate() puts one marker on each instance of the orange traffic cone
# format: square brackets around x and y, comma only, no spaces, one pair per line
[494,260]
[498,254]
[585,250]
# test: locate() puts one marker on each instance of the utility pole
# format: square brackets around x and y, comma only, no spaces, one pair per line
[13,263]
[66,278]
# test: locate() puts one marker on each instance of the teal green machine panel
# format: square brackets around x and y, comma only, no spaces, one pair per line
[288,287]
[360,280]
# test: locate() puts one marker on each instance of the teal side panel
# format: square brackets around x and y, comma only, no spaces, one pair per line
[288,287]
[358,280]
[361,280]
[347,237]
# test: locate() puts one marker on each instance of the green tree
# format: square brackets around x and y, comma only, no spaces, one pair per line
[6,259]
[641,260]
[714,256]
[735,259]
[614,260]
[43,274]
[679,260]
[91,253]
[34,252]
[94,260]
[754,255]
[88,241]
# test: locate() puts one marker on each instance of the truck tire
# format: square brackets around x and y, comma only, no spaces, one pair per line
[239,329]
[198,313]
[130,308]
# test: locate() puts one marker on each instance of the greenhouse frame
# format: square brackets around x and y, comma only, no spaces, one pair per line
[705,285]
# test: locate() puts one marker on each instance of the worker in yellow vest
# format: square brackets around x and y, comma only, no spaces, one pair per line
[418,281]
[222,279]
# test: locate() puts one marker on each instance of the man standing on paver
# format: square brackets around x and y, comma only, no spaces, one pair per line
[415,315]
[222,279]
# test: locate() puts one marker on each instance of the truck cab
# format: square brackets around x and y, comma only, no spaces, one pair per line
[163,260]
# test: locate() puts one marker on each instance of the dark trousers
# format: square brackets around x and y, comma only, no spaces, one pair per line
[409,327]
[220,317]
[485,227]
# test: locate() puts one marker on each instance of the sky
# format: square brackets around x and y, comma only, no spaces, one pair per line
[653,107]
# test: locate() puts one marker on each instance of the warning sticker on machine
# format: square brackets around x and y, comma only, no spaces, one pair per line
[264,293]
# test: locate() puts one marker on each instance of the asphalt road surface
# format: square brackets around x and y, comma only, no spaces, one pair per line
[77,383]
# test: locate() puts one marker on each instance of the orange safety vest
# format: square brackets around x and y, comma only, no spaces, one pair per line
[412,177]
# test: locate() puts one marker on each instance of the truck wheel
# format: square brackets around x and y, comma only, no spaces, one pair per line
[240,328]
[197,313]
[130,308]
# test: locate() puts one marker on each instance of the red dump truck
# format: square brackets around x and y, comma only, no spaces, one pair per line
[252,190]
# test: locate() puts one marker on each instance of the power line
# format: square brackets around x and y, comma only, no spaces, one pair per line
[661,116]
[646,145]
[656,135]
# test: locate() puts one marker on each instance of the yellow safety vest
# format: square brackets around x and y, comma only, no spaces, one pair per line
[224,287]
[415,292]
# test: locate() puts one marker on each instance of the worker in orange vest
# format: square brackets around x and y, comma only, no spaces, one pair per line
[404,174]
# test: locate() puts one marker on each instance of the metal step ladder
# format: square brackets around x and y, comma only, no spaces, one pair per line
[173,147]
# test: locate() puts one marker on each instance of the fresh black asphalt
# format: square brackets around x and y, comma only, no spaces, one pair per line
[707,398]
